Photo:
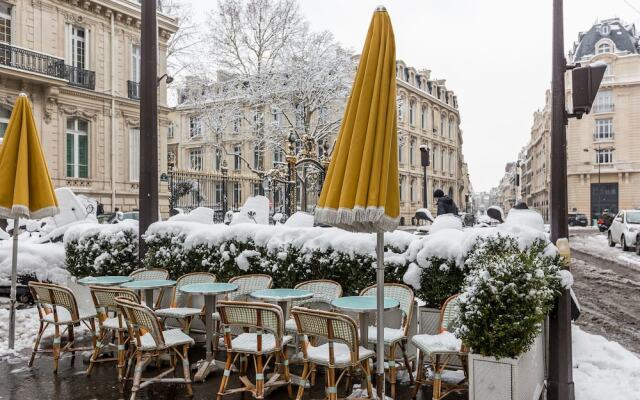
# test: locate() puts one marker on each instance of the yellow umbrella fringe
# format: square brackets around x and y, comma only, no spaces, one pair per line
[20,211]
[357,219]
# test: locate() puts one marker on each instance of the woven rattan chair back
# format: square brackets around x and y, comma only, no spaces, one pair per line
[104,299]
[402,293]
[147,274]
[50,295]
[332,326]
[252,315]
[247,284]
[181,299]
[449,312]
[140,320]
[324,291]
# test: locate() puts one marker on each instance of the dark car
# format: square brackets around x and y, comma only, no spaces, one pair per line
[577,219]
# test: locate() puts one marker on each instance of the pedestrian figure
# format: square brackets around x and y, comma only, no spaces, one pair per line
[445,203]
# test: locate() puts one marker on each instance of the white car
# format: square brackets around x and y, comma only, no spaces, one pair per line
[625,229]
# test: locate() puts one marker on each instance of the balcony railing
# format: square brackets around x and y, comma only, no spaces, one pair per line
[603,108]
[133,90]
[603,137]
[31,61]
[81,77]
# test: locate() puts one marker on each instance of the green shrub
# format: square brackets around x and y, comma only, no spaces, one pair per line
[102,252]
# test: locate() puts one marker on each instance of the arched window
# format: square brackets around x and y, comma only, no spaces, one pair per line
[412,112]
[423,118]
[77,148]
[400,151]
[443,118]
[436,157]
[603,48]
[401,188]
[442,163]
[450,128]
[452,162]
[5,114]
[412,151]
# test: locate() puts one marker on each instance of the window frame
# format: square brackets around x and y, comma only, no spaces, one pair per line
[7,19]
[194,154]
[77,133]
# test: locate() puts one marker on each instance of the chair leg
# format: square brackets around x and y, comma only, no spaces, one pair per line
[333,388]
[225,376]
[366,369]
[186,370]
[56,348]
[137,375]
[419,372]
[97,349]
[306,371]
[287,375]
[120,342]
[393,371]
[127,372]
[437,379]
[94,335]
[259,377]
[407,364]
[71,337]
[36,344]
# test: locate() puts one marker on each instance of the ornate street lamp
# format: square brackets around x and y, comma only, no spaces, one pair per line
[225,177]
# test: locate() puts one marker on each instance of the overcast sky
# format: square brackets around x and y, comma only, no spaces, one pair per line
[494,54]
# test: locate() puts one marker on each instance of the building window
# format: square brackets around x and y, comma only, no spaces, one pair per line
[195,127]
[170,131]
[276,116]
[452,162]
[605,30]
[78,47]
[604,156]
[5,115]
[258,157]
[603,48]
[436,155]
[258,121]
[443,118]
[195,159]
[278,157]
[423,118]
[604,101]
[412,190]
[217,159]
[5,23]
[412,150]
[134,154]
[401,188]
[218,193]
[237,193]
[604,129]
[450,128]
[135,63]
[237,157]
[237,122]
[256,189]
[300,115]
[412,112]
[400,152]
[77,148]
[442,163]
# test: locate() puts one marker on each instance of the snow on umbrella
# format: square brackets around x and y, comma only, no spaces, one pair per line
[360,192]
[26,190]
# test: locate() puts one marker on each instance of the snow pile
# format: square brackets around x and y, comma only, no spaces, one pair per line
[300,220]
[79,231]
[445,221]
[27,324]
[45,261]
[202,215]
[603,369]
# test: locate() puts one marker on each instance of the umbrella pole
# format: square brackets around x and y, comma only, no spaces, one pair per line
[14,283]
[380,320]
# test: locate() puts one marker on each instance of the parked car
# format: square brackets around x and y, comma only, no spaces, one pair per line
[578,219]
[625,229]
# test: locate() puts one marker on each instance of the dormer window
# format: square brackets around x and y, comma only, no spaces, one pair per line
[603,48]
[605,30]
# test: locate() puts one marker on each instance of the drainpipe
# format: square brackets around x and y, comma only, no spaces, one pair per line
[113,112]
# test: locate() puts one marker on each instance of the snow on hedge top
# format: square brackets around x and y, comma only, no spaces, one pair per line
[46,261]
[202,215]
[175,227]
[76,232]
[300,220]
[445,221]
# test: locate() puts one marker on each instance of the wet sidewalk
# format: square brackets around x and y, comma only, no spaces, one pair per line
[18,382]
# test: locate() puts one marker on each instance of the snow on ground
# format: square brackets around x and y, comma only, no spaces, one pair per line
[603,369]
[597,246]
[26,329]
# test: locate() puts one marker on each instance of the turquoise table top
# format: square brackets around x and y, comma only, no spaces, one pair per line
[282,294]
[148,284]
[110,280]
[363,303]
[209,288]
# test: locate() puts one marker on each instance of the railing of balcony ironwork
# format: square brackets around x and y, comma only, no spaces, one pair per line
[133,90]
[81,77]
[27,60]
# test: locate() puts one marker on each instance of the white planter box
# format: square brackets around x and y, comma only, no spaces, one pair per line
[521,378]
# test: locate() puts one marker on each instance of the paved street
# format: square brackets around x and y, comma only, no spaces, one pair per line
[608,290]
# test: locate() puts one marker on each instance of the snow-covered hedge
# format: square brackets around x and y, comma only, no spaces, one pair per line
[102,249]
[289,254]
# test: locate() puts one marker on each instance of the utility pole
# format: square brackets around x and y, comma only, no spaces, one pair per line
[560,352]
[148,188]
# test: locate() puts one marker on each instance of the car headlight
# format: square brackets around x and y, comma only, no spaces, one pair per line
[633,229]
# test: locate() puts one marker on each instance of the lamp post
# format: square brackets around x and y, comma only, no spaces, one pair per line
[425,162]
[225,176]
[291,170]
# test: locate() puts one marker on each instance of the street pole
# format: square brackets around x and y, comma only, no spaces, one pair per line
[560,352]
[148,188]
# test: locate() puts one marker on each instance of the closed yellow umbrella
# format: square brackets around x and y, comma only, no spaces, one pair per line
[361,192]
[26,190]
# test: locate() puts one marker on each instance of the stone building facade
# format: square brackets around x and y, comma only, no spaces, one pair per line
[78,61]
[427,115]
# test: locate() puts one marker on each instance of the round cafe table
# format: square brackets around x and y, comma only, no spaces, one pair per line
[283,297]
[363,306]
[210,291]
[148,286]
[108,280]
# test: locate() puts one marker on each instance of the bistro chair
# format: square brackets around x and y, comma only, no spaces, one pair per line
[266,340]
[394,337]
[151,342]
[151,274]
[342,350]
[439,350]
[182,304]
[324,292]
[58,306]
[111,324]
[248,284]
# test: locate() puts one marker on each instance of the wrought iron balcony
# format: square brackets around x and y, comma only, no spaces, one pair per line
[133,90]
[81,77]
[31,61]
